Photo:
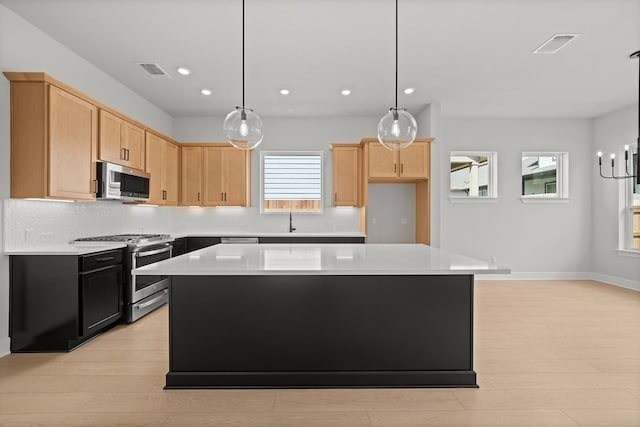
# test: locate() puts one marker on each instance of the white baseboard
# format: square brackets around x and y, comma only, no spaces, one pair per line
[5,346]
[617,281]
[610,280]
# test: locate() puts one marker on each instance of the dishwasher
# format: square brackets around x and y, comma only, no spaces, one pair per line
[238,240]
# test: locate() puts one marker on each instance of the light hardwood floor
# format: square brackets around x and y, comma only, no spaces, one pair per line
[547,353]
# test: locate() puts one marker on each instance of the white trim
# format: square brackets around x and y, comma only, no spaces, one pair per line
[474,199]
[543,199]
[617,281]
[629,253]
[5,346]
[609,280]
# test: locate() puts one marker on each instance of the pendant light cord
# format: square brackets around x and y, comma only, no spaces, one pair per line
[243,104]
[396,54]
[637,55]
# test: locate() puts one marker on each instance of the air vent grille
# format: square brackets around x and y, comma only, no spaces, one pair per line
[555,43]
[154,70]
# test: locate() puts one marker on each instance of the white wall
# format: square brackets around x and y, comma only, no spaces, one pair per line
[535,239]
[23,47]
[610,133]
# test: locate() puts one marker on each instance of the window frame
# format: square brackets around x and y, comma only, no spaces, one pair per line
[562,178]
[263,154]
[492,176]
[628,208]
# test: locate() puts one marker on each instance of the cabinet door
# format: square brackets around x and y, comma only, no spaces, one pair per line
[73,127]
[346,176]
[154,168]
[101,298]
[212,194]
[382,162]
[170,172]
[191,182]
[133,143]
[110,142]
[414,161]
[235,181]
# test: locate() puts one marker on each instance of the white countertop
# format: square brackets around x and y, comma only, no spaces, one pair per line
[268,234]
[320,259]
[82,248]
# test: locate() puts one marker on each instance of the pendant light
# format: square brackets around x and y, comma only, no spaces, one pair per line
[242,126]
[627,173]
[397,129]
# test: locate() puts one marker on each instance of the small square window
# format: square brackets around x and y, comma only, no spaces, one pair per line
[473,174]
[545,175]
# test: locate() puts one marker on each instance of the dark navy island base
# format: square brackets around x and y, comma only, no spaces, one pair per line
[317,331]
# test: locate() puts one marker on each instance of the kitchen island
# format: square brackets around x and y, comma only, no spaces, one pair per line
[329,315]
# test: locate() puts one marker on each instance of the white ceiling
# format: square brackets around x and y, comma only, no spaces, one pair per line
[472,56]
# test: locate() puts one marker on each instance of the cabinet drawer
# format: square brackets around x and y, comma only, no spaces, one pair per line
[100,260]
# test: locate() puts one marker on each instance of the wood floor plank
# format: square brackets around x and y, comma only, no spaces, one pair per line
[552,353]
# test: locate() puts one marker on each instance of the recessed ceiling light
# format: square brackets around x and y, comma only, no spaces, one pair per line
[184,71]
[284,92]
[409,90]
[346,92]
[206,92]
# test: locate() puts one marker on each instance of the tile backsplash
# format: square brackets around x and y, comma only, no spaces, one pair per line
[29,223]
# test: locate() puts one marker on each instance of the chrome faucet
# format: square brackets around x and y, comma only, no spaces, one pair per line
[291,229]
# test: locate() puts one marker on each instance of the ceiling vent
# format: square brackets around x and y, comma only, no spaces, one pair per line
[154,70]
[555,43]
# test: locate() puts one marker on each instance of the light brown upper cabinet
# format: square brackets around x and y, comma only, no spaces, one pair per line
[162,165]
[214,175]
[225,176]
[121,142]
[346,159]
[191,176]
[54,138]
[409,164]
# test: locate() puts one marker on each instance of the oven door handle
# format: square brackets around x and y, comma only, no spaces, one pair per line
[148,303]
[142,253]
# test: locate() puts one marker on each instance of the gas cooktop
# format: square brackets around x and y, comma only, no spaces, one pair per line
[129,239]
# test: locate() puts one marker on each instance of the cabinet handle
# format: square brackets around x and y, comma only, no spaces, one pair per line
[107,258]
[394,168]
[222,197]
[335,197]
[198,196]
[401,167]
[225,197]
[124,154]
[128,154]
[93,184]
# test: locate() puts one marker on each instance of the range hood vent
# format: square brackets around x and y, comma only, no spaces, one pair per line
[154,70]
[555,43]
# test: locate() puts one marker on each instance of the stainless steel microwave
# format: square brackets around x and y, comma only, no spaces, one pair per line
[117,182]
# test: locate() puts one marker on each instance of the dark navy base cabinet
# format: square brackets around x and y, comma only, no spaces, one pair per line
[313,331]
[59,301]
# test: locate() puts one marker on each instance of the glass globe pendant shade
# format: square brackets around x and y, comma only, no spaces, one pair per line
[243,128]
[397,129]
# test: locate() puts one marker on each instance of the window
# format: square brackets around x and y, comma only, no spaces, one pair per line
[473,175]
[291,182]
[632,192]
[545,176]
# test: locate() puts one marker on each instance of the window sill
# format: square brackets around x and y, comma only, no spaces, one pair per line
[473,199]
[631,253]
[544,200]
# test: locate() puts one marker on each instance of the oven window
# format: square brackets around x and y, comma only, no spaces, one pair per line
[144,281]
[132,184]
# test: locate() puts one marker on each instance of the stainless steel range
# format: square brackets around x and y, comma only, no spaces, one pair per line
[143,294]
